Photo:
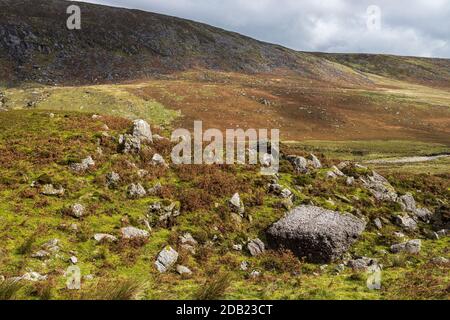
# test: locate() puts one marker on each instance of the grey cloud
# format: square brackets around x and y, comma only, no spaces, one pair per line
[415,27]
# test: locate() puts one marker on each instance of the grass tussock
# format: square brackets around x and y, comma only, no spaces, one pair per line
[9,289]
[120,290]
[215,288]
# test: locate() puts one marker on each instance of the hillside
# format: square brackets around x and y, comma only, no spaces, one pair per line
[117,44]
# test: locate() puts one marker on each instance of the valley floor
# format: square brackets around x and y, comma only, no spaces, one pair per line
[39,147]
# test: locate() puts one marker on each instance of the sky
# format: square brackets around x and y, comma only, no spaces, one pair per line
[402,27]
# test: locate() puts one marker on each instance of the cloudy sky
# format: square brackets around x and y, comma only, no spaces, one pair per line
[405,27]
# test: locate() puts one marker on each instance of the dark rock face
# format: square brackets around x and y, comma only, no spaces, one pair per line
[314,233]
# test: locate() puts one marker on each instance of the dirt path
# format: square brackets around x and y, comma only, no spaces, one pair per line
[407,159]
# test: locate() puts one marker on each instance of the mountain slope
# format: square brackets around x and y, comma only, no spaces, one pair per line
[127,44]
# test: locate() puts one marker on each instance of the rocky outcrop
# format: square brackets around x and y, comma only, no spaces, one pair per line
[314,233]
[412,247]
[381,189]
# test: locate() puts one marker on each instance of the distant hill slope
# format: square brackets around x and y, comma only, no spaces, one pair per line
[121,44]
[127,44]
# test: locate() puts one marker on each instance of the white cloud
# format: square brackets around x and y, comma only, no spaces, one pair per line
[414,27]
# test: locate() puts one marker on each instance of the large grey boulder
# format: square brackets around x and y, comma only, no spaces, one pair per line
[317,234]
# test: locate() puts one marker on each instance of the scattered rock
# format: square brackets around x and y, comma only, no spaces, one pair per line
[362,264]
[155,190]
[76,211]
[129,144]
[73,260]
[350,181]
[236,204]
[84,165]
[183,270]
[315,162]
[244,265]
[440,261]
[104,237]
[136,191]
[315,233]
[256,247]
[164,211]
[237,247]
[112,180]
[442,233]
[50,190]
[378,224]
[41,254]
[408,204]
[142,131]
[33,277]
[52,245]
[158,160]
[406,222]
[133,233]
[380,188]
[255,274]
[300,164]
[166,259]
[412,247]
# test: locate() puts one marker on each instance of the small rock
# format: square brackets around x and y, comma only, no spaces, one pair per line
[50,190]
[236,204]
[362,264]
[255,274]
[256,247]
[315,161]
[350,181]
[103,237]
[142,131]
[84,165]
[378,224]
[440,261]
[158,160]
[41,254]
[129,144]
[52,245]
[412,247]
[136,191]
[406,222]
[76,211]
[133,233]
[166,259]
[33,277]
[237,247]
[112,180]
[244,265]
[300,164]
[442,233]
[73,260]
[183,270]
